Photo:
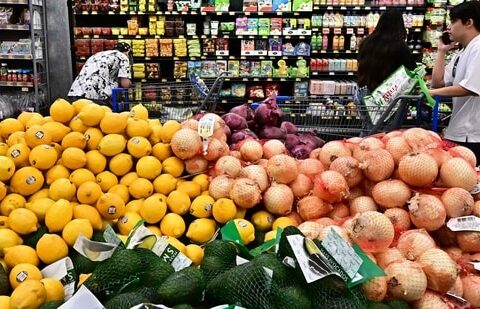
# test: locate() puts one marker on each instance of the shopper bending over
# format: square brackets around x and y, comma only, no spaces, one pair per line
[383,51]
[460,79]
[101,73]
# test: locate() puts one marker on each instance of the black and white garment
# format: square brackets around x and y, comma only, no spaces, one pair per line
[100,75]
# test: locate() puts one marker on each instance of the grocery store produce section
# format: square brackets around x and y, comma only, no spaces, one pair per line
[116,210]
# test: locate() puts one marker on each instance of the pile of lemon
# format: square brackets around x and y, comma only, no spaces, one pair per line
[84,167]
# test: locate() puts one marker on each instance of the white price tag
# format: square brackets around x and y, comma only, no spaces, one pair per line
[466,223]
[170,254]
[239,260]
[93,250]
[206,126]
[62,270]
[343,253]
[82,299]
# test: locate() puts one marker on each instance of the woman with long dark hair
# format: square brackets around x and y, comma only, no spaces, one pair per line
[383,51]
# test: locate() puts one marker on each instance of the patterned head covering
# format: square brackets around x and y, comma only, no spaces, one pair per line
[123,47]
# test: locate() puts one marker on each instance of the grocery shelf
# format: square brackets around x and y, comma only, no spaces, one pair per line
[368,7]
[16,57]
[229,13]
[16,84]
[154,36]
[15,27]
[324,74]
[14,2]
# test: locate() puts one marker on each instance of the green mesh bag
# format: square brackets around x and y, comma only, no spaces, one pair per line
[219,256]
[125,301]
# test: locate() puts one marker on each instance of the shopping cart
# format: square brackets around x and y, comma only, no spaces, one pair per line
[171,100]
[342,117]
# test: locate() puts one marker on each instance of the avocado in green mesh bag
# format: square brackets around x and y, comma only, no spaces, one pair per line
[290,297]
[125,301]
[51,305]
[219,256]
[247,285]
[185,286]
[221,248]
[282,274]
[376,305]
[82,265]
[111,275]
[397,304]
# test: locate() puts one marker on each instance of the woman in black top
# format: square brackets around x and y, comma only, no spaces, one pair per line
[383,51]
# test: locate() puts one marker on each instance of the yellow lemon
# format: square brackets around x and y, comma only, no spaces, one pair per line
[173,166]
[172,225]
[82,278]
[24,117]
[191,188]
[201,206]
[91,114]
[262,220]
[74,139]
[120,164]
[83,211]
[43,157]
[153,208]
[39,194]
[74,158]
[246,230]
[156,130]
[96,161]
[10,125]
[20,254]
[62,111]
[162,151]
[23,221]
[93,137]
[76,227]
[139,146]
[195,253]
[139,112]
[106,180]
[120,190]
[127,222]
[282,222]
[19,153]
[80,176]
[270,235]
[138,127]
[58,215]
[165,183]
[8,238]
[7,168]
[110,206]
[113,123]
[178,202]
[4,302]
[3,190]
[202,180]
[140,188]
[30,294]
[148,167]
[80,103]
[37,120]
[201,230]
[16,138]
[112,144]
[51,248]
[223,210]
[10,202]
[128,178]
[40,206]
[3,149]
[180,246]
[56,172]
[54,289]
[134,205]
[23,271]
[169,128]
[62,188]
[154,229]
[58,148]
[27,181]
[36,135]
[3,222]
[56,130]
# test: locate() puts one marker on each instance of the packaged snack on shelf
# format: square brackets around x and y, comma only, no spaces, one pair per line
[288,49]
[152,25]
[281,5]
[179,27]
[255,92]
[265,5]
[97,46]
[239,90]
[191,29]
[221,66]
[180,69]
[160,28]
[138,48]
[194,67]
[255,69]
[109,44]
[261,47]
[152,70]
[222,5]
[300,89]
[302,5]
[274,46]
[227,27]
[182,5]
[245,68]
[180,47]
[208,47]
[234,68]
[194,49]
[247,47]
[302,49]
[250,5]
[241,25]
[272,89]
[264,26]
[222,47]
[151,47]
[82,48]
[226,92]
[208,69]
[276,26]
[166,48]
[252,26]
[266,68]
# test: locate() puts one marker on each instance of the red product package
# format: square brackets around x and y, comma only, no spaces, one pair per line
[272,89]
[255,92]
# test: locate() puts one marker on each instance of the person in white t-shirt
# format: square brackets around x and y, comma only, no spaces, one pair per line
[101,73]
[460,79]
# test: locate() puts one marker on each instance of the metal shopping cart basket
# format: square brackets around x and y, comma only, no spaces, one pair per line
[337,118]
[171,100]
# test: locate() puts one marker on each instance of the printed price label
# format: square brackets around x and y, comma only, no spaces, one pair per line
[94,250]
[325,30]
[170,254]
[466,223]
[342,252]
[62,270]
[206,127]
